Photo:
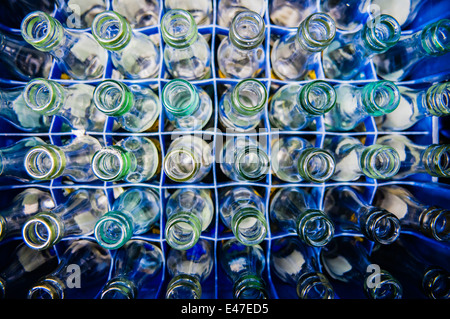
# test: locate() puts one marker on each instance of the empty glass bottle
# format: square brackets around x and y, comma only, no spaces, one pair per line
[295,159]
[293,54]
[347,14]
[228,9]
[188,269]
[139,13]
[244,266]
[241,106]
[243,159]
[396,63]
[132,53]
[353,159]
[293,210]
[135,265]
[349,210]
[202,11]
[79,14]
[188,159]
[346,56]
[134,212]
[431,159]
[415,105]
[76,216]
[134,159]
[13,11]
[347,260]
[187,107]
[354,104]
[21,60]
[186,54]
[83,257]
[241,209]
[27,203]
[73,103]
[189,212]
[73,160]
[77,53]
[294,107]
[136,108]
[298,265]
[404,11]
[241,54]
[290,13]
[432,221]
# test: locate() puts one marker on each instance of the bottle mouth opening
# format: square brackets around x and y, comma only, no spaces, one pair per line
[37,29]
[438,286]
[250,287]
[383,286]
[316,165]
[44,162]
[112,98]
[436,37]
[314,286]
[118,289]
[180,97]
[41,96]
[47,289]
[110,164]
[247,30]
[183,231]
[380,161]
[111,30]
[113,230]
[382,32]
[438,99]
[384,227]
[317,97]
[252,163]
[317,31]
[381,97]
[437,160]
[250,96]
[40,232]
[249,226]
[315,228]
[180,165]
[184,287]
[178,28]
[440,225]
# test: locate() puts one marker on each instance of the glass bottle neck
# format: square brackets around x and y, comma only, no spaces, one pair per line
[178,29]
[378,225]
[111,31]
[249,225]
[113,98]
[380,34]
[42,31]
[48,288]
[314,227]
[180,98]
[113,230]
[315,165]
[113,163]
[251,163]
[382,285]
[436,160]
[249,286]
[184,286]
[43,230]
[182,164]
[316,98]
[183,230]
[314,286]
[248,97]
[436,283]
[434,222]
[44,96]
[438,99]
[119,288]
[435,38]
[247,30]
[316,32]
[379,161]
[45,162]
[380,97]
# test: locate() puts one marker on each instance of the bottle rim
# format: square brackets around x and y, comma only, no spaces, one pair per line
[250,285]
[327,164]
[50,31]
[101,24]
[122,163]
[436,283]
[183,39]
[50,286]
[113,108]
[434,37]
[53,154]
[380,161]
[190,223]
[311,216]
[380,219]
[180,110]
[381,97]
[241,217]
[263,161]
[438,99]
[317,87]
[246,41]
[183,281]
[120,222]
[383,286]
[49,234]
[436,160]
[316,42]
[185,177]
[381,33]
[314,283]
[54,91]
[120,286]
[254,87]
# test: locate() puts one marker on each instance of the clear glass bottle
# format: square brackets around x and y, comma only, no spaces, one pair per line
[347,14]
[94,264]
[294,107]
[25,266]
[76,216]
[404,11]
[79,14]
[27,203]
[347,55]
[295,211]
[186,53]
[13,156]
[244,266]
[396,63]
[134,212]
[298,265]
[293,54]
[228,9]
[202,11]
[295,159]
[431,159]
[354,104]
[136,108]
[134,159]
[189,159]
[242,105]
[77,53]
[415,105]
[431,221]
[73,103]
[244,159]
[188,269]
[241,54]
[21,60]
[347,260]
[135,265]
[290,13]
[189,212]
[73,160]
[139,13]
[132,53]
[349,210]
[241,209]
[188,107]
[354,159]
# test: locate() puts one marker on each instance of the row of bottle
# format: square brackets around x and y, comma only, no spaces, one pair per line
[187,54]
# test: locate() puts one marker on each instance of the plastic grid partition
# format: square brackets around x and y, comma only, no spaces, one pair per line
[424,132]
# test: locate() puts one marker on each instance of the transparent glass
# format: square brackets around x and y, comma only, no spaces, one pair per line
[228,9]
[202,10]
[77,53]
[73,103]
[139,13]
[188,269]
[132,53]
[189,212]
[294,107]
[79,14]
[294,54]
[241,54]
[186,53]
[244,266]
[134,159]
[94,262]
[76,216]
[72,160]
[298,265]
[294,210]
[295,159]
[135,265]
[353,159]
[404,11]
[133,213]
[290,13]
[136,108]
[241,209]
[354,104]
[348,14]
